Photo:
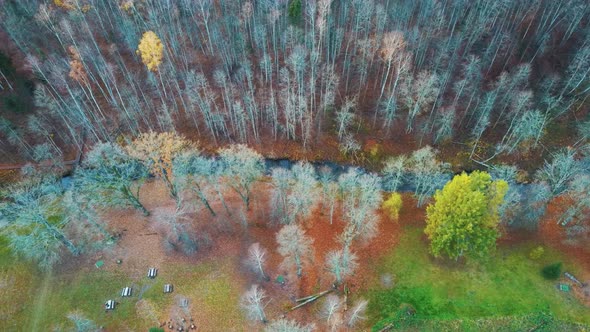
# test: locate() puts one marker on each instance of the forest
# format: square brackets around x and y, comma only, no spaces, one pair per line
[295,165]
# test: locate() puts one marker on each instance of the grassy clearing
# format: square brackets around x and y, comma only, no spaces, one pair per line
[31,301]
[507,283]
[209,287]
[17,282]
[86,293]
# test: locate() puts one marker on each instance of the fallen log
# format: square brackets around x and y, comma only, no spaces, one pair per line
[386,328]
[305,298]
[310,299]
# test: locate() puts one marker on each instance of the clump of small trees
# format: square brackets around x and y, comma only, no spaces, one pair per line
[40,215]
[421,172]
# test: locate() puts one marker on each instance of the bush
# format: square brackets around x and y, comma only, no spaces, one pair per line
[537,253]
[295,11]
[551,272]
[156,329]
[373,153]
[393,205]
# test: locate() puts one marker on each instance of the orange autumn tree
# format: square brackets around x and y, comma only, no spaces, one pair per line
[77,72]
[72,5]
[157,151]
[65,4]
[151,50]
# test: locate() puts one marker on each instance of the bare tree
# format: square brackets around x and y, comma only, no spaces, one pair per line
[110,177]
[341,263]
[356,313]
[256,259]
[427,173]
[393,172]
[304,194]
[242,166]
[253,303]
[345,117]
[31,221]
[194,172]
[295,246]
[81,323]
[330,311]
[284,325]
[361,194]
[562,169]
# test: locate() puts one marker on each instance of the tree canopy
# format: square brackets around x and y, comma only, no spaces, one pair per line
[32,219]
[110,177]
[151,50]
[463,220]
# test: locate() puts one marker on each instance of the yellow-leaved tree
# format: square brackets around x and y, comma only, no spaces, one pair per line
[463,220]
[392,205]
[151,50]
[157,151]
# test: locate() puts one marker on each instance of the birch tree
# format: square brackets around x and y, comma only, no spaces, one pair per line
[394,172]
[345,117]
[304,195]
[427,173]
[361,197]
[577,192]
[558,172]
[281,183]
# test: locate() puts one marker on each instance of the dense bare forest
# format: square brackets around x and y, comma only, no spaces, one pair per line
[513,73]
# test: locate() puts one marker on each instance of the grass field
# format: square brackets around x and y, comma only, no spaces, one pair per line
[18,282]
[34,301]
[508,283]
[504,292]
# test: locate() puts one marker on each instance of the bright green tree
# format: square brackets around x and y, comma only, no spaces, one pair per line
[463,220]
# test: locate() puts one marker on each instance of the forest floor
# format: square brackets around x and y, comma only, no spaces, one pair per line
[394,268]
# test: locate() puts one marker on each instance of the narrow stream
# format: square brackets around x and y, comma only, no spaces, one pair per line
[270,164]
